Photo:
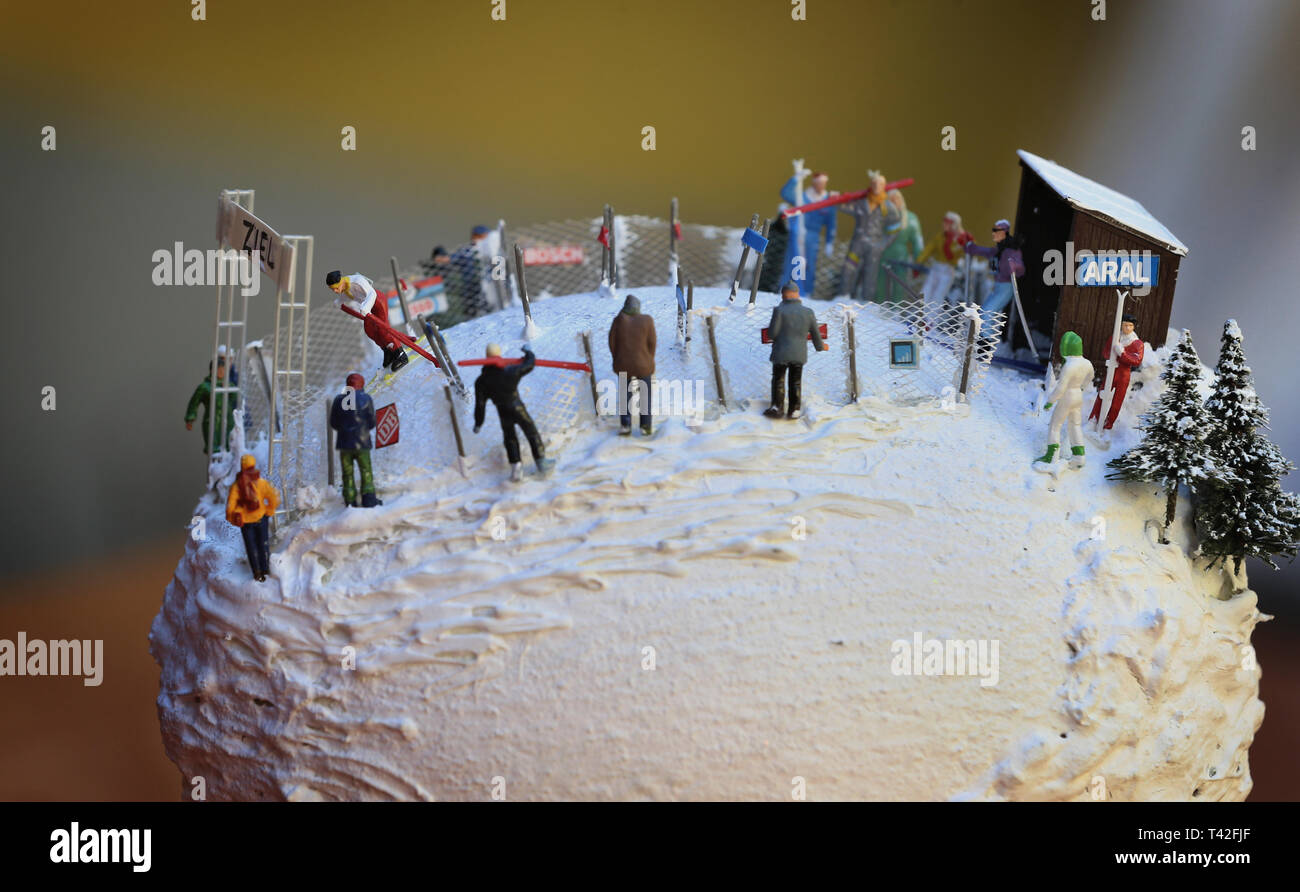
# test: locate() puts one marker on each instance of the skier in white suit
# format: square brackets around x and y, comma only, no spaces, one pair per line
[1076,374]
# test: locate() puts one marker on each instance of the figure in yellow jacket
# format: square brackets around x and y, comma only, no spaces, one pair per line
[250,505]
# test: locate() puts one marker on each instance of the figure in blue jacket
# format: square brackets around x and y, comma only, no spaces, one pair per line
[352,415]
[806,230]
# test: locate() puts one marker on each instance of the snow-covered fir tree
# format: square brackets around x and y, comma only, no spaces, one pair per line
[1173,451]
[1242,510]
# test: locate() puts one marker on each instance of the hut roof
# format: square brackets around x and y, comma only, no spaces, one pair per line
[1102,201]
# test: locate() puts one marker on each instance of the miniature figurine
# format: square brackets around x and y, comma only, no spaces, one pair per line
[352,416]
[465,280]
[250,505]
[358,293]
[791,327]
[1076,373]
[203,396]
[1173,449]
[438,262]
[1243,510]
[632,346]
[805,230]
[1005,260]
[903,248]
[871,215]
[946,247]
[500,384]
[1128,355]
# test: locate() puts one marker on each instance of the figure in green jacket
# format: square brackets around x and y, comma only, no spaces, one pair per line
[203,397]
[906,245]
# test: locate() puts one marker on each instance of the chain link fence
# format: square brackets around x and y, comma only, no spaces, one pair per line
[722,340]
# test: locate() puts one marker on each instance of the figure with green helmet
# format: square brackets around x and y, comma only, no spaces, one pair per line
[1067,400]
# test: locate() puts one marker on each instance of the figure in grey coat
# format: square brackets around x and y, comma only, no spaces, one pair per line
[861,264]
[790,329]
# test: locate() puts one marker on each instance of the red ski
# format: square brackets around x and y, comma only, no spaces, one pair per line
[821,329]
[394,333]
[843,198]
[543,363]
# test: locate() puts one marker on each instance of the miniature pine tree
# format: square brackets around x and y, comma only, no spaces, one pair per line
[1173,450]
[1243,511]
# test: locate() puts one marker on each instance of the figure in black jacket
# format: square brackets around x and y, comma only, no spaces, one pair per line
[352,415]
[500,384]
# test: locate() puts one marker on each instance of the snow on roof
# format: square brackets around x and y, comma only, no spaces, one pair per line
[1095,198]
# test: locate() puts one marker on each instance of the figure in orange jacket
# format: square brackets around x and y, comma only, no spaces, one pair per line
[1128,356]
[250,505]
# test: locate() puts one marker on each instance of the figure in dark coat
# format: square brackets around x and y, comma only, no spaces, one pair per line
[500,384]
[632,345]
[352,415]
[790,329]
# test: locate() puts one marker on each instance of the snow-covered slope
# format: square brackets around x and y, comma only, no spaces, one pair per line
[715,613]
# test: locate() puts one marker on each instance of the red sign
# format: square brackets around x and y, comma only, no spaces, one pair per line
[821,330]
[554,255]
[387,427]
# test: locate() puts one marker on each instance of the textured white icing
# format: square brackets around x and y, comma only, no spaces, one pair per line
[521,658]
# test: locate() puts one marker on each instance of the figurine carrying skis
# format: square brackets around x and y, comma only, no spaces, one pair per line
[500,384]
[1127,354]
[352,416]
[250,505]
[357,292]
[872,215]
[791,327]
[1076,374]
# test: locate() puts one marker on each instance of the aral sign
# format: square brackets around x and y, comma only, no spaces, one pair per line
[240,230]
[1116,269]
[1136,270]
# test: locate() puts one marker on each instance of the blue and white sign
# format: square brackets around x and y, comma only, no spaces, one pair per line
[754,240]
[1111,269]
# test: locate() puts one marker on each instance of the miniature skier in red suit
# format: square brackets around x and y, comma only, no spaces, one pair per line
[1128,356]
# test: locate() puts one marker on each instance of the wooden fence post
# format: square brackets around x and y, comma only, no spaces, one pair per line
[672,238]
[455,422]
[740,268]
[853,359]
[523,284]
[717,363]
[401,299]
[970,355]
[329,440]
[591,375]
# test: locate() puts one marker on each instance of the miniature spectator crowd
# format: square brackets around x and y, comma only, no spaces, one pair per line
[886,239]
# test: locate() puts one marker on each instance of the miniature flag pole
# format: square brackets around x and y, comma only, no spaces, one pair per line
[744,255]
[758,270]
[1015,290]
[1108,395]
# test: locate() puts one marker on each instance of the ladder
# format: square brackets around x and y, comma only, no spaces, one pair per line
[228,331]
[289,386]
